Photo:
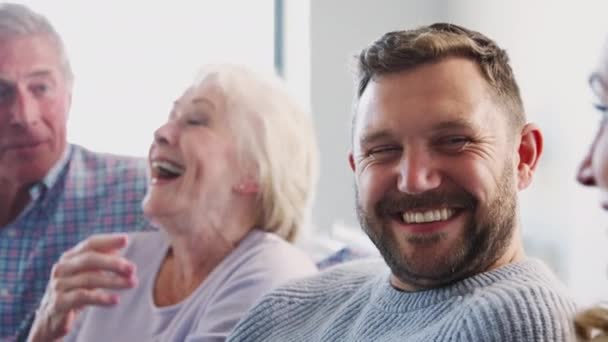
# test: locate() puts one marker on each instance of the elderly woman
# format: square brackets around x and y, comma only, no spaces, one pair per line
[592,325]
[231,175]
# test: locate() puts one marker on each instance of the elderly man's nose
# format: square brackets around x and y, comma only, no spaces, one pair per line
[23,111]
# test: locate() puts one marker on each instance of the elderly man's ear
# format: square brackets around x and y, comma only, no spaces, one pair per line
[529,151]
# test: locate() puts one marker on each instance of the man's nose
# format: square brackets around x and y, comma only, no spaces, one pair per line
[417,172]
[24,110]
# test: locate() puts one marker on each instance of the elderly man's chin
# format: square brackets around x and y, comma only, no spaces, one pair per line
[31,166]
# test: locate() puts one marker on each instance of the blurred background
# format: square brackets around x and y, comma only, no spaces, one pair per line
[132,59]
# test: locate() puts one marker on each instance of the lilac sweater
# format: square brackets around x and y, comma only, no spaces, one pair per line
[260,262]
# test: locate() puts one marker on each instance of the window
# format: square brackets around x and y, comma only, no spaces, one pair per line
[132,59]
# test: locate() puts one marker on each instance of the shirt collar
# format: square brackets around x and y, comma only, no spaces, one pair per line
[51,177]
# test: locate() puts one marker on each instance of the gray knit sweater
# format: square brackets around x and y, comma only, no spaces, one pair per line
[355,302]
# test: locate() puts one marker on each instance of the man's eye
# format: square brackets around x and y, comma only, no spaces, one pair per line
[453,143]
[383,151]
[457,140]
[39,89]
[6,92]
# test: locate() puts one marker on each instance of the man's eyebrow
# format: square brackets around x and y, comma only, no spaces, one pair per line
[35,73]
[370,138]
[385,134]
[40,73]
[458,123]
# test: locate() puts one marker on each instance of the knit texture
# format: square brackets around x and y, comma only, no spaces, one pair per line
[355,302]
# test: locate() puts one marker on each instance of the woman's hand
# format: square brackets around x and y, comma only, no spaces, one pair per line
[80,278]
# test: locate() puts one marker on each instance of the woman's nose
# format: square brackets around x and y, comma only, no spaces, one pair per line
[165,134]
[585,174]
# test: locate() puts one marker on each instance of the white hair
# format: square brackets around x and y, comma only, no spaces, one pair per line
[277,136]
[19,21]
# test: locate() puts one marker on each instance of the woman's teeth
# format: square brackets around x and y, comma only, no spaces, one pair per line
[167,169]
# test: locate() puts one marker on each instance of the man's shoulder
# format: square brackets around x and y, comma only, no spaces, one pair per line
[101,174]
[340,281]
[89,162]
[525,278]
[100,193]
[526,301]
[299,309]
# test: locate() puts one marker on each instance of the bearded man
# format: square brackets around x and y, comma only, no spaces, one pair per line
[441,148]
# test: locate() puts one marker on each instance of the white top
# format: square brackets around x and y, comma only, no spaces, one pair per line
[258,264]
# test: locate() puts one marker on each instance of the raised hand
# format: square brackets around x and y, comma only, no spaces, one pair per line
[82,277]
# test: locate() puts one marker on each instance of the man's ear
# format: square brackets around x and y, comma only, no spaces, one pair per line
[351,160]
[529,151]
[247,186]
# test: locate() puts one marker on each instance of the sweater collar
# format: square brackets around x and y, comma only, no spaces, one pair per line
[387,298]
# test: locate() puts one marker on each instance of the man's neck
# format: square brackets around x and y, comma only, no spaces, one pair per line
[13,200]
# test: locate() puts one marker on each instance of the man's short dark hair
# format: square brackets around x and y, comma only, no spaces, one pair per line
[406,50]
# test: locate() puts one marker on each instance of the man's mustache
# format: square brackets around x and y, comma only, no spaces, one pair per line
[394,203]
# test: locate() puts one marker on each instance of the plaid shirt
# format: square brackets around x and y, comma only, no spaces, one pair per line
[83,194]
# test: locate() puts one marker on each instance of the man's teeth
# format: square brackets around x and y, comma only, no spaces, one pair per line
[428,215]
[165,166]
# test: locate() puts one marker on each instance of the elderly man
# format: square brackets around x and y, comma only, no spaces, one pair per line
[52,194]
[440,149]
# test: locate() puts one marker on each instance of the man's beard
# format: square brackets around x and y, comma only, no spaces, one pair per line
[485,238]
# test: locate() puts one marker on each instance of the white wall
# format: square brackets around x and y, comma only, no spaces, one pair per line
[133,58]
